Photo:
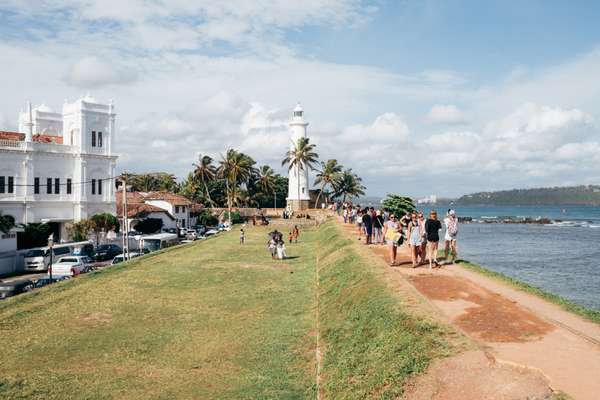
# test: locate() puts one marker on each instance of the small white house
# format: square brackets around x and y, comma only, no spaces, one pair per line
[173,209]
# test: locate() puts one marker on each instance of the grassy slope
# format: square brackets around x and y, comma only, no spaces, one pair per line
[588,313]
[371,347]
[209,320]
[216,320]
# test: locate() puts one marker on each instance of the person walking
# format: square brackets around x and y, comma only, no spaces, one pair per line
[359,223]
[451,224]
[296,233]
[392,234]
[378,228]
[423,247]
[242,236]
[432,230]
[415,237]
[368,225]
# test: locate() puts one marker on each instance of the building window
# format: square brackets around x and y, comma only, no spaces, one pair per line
[93,186]
[68,185]
[99,186]
[56,185]
[48,185]
[2,183]
[182,209]
[99,139]
[11,184]
[36,185]
[93,138]
[183,223]
[176,208]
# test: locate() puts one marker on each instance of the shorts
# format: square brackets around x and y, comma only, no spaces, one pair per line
[449,238]
[391,243]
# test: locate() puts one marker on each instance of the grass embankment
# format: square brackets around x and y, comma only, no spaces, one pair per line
[210,320]
[216,320]
[371,346]
[588,313]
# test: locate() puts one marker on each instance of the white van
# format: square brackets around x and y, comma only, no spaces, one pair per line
[38,259]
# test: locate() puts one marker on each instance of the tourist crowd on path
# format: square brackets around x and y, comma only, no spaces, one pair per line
[420,234]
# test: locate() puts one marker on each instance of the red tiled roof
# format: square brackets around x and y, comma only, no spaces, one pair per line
[47,139]
[174,199]
[16,136]
[138,209]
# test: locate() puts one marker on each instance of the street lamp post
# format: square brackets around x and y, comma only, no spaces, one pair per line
[50,246]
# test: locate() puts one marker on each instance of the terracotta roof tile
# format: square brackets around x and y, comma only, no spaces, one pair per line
[175,199]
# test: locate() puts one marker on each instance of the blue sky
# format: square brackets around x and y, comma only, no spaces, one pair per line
[418,97]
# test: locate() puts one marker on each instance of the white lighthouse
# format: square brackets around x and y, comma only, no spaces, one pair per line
[298,196]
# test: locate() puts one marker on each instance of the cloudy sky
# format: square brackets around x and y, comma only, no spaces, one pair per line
[418,97]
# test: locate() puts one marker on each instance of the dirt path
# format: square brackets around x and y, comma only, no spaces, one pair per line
[526,343]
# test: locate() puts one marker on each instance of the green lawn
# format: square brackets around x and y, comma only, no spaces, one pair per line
[208,320]
[216,320]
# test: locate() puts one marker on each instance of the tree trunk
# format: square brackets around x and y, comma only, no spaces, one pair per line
[319,195]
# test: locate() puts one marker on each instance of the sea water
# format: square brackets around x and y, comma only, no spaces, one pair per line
[561,258]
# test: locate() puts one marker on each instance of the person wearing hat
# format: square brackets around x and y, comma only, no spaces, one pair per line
[451,223]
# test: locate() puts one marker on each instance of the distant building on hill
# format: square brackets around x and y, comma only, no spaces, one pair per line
[432,199]
[60,166]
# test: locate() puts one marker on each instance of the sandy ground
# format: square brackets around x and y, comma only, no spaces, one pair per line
[527,347]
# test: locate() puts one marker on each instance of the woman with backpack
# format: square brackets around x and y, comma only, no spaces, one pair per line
[451,223]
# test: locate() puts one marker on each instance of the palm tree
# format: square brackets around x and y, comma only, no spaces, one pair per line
[7,222]
[327,175]
[265,179]
[206,172]
[300,157]
[348,184]
[235,168]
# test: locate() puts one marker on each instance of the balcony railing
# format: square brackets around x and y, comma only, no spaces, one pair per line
[12,144]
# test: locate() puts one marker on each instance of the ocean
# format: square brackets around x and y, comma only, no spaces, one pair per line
[562,258]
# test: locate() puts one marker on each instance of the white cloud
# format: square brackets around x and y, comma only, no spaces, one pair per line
[446,114]
[387,128]
[91,72]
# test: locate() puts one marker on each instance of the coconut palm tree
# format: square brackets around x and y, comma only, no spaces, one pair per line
[235,168]
[7,222]
[205,171]
[327,175]
[265,179]
[348,184]
[300,157]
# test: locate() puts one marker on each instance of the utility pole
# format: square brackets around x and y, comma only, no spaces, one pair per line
[125,224]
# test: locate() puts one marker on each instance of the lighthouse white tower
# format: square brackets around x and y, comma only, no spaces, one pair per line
[298,196]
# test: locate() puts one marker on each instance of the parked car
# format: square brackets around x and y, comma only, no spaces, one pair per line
[191,234]
[200,229]
[211,232]
[119,258]
[39,283]
[107,252]
[71,266]
[13,288]
[84,250]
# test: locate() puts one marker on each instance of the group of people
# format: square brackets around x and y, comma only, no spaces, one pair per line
[420,234]
[276,244]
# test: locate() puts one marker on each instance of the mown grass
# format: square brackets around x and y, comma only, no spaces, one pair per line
[216,320]
[211,320]
[371,347]
[588,313]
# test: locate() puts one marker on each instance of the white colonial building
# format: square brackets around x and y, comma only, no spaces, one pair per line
[298,194]
[60,166]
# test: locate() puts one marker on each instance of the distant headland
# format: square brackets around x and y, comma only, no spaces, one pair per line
[551,196]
